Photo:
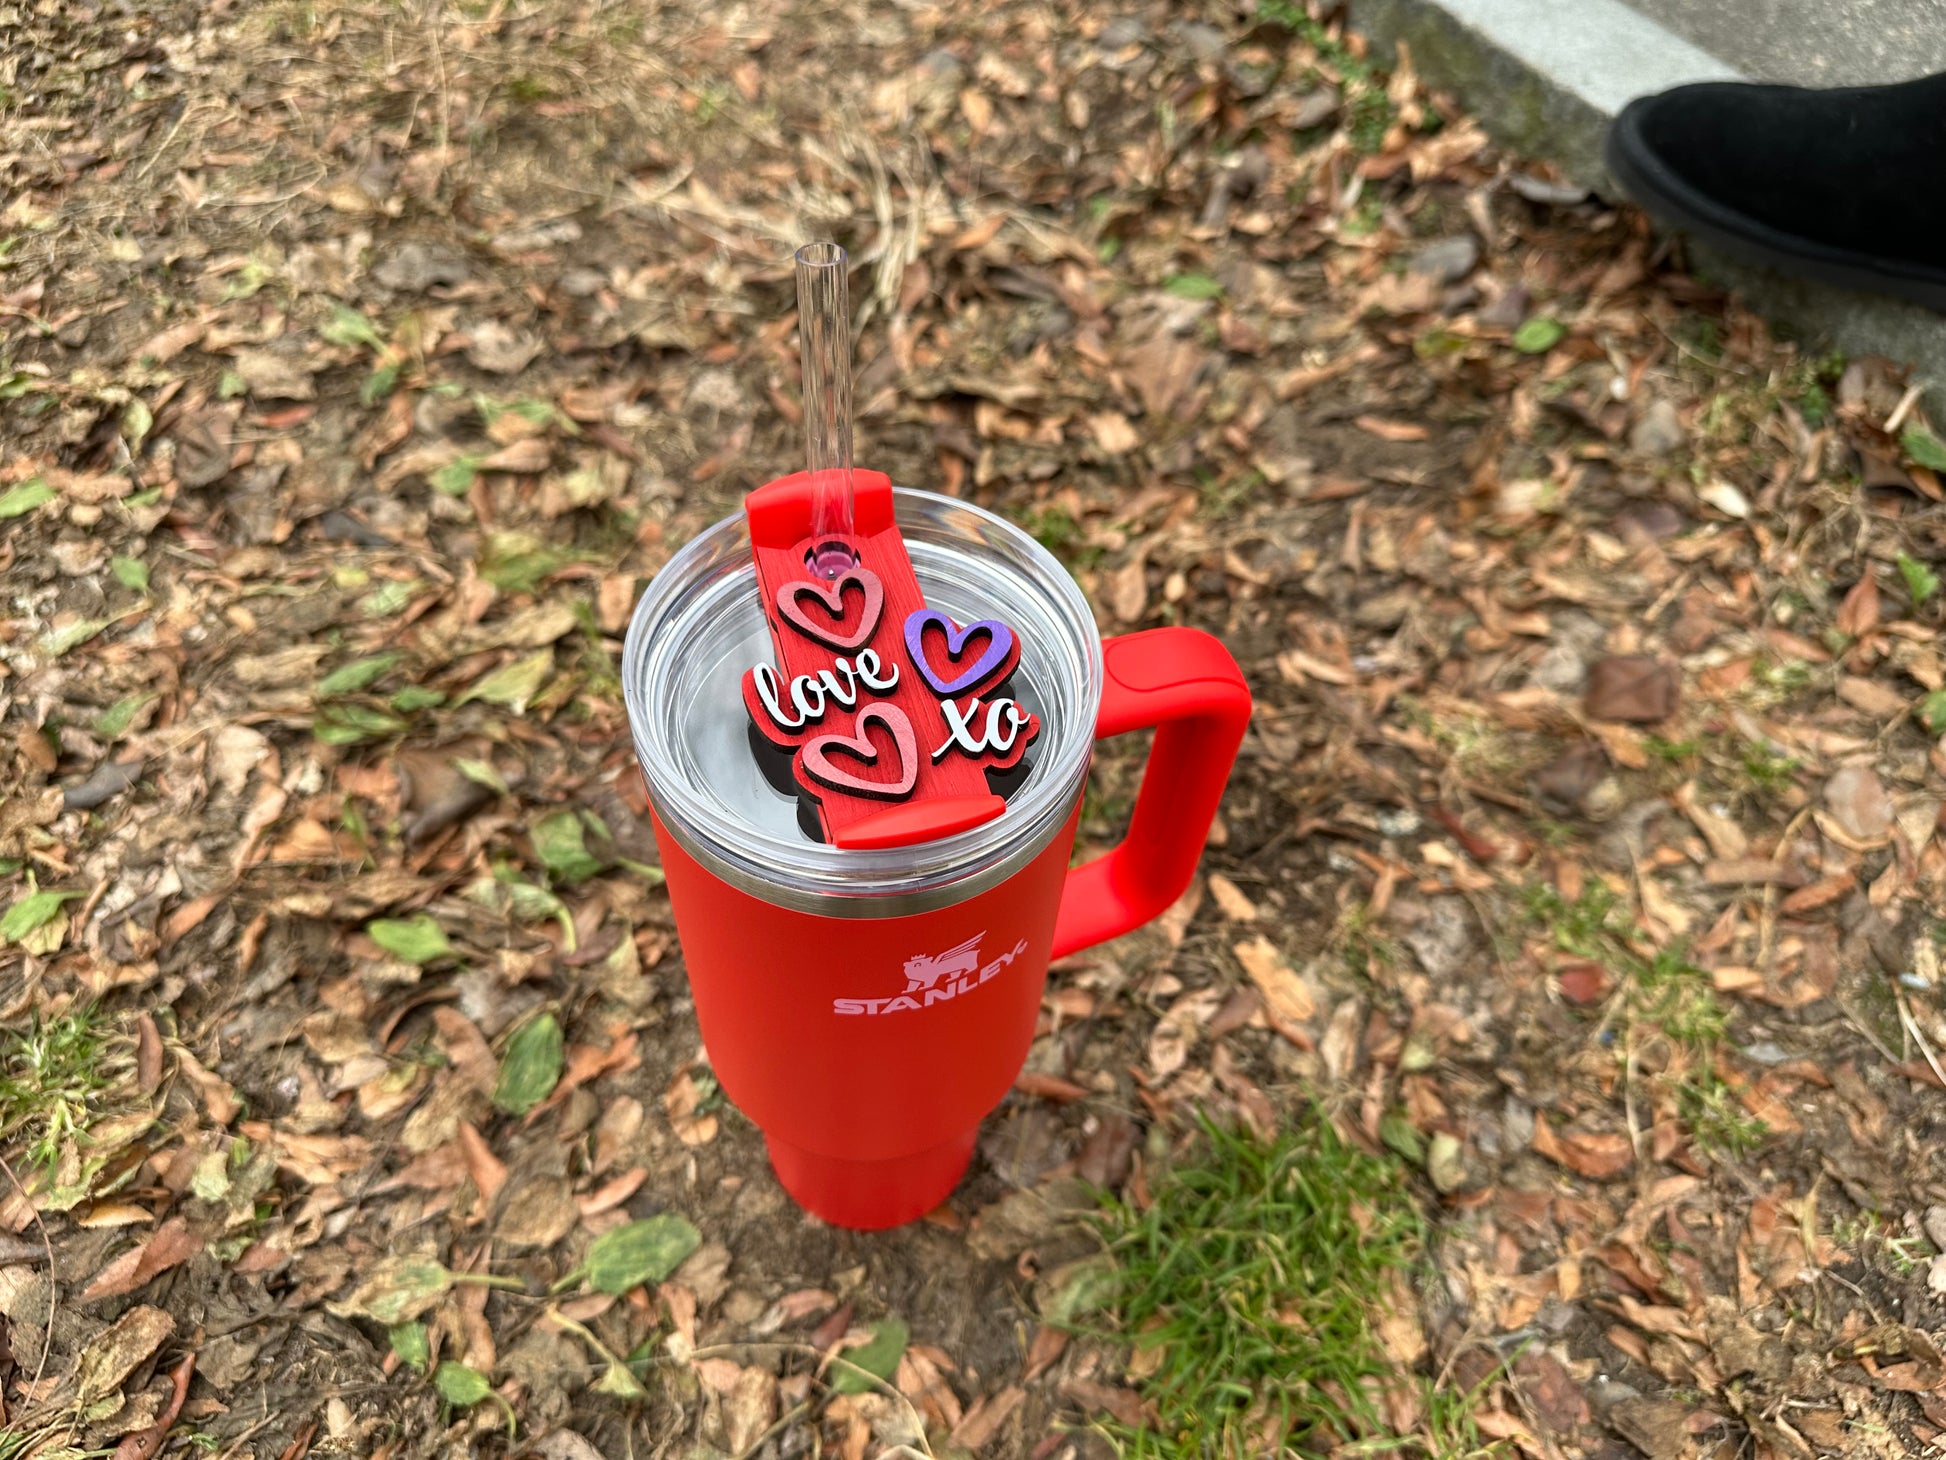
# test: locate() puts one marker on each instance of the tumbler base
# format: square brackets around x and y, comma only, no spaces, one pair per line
[869,1195]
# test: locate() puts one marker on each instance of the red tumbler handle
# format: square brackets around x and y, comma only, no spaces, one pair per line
[1186,685]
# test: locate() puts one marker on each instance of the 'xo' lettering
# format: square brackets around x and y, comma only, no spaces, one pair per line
[1002,726]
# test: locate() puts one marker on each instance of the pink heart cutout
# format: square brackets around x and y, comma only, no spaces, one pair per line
[832,596]
[818,766]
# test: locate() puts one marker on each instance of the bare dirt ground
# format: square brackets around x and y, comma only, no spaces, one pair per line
[361,361]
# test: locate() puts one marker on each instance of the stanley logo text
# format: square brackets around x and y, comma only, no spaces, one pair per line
[935,978]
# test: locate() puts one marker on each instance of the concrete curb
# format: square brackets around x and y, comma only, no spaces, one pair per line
[1546,78]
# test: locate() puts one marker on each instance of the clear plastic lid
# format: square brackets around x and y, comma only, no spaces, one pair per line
[699,627]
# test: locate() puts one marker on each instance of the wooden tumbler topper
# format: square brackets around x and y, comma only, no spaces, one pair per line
[878,698]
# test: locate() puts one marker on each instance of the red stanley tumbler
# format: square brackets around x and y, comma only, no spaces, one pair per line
[868,1008]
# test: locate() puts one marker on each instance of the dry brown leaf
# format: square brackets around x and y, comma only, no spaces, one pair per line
[1128,590]
[148,1053]
[1817,894]
[1113,433]
[616,1131]
[190,916]
[1635,688]
[1878,700]
[1124,1404]
[587,1062]
[1582,983]
[1392,430]
[489,1173]
[164,347]
[1229,897]
[1750,871]
[749,1407]
[1176,918]
[1621,744]
[679,1101]
[525,457]
[1048,1344]
[1296,666]
[1177,1030]
[1049,1087]
[143,1444]
[466,1047]
[1858,614]
[112,1354]
[1857,799]
[615,598]
[1283,990]
[1592,1155]
[983,1422]
[1339,1047]
[1656,1319]
[1726,839]
[537,1212]
[795,1308]
[613,1194]
[219,1096]
[1399,1328]
[1912,1378]
[168,1246]
[113,1214]
[1161,370]
[988,228]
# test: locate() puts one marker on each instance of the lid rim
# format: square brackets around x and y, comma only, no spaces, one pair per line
[867,905]
[874,882]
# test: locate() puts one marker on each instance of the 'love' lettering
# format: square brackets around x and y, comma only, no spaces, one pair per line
[812,694]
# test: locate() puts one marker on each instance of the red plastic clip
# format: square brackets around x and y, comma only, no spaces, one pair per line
[879,699]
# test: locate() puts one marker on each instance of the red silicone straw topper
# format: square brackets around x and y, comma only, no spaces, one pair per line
[881,700]
[888,708]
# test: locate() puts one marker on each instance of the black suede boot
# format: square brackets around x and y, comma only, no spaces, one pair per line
[1845,186]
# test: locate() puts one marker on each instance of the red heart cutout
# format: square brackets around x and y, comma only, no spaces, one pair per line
[832,596]
[817,756]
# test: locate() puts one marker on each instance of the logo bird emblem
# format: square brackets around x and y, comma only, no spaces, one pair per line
[924,970]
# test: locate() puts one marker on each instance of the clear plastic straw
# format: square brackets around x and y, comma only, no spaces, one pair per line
[824,343]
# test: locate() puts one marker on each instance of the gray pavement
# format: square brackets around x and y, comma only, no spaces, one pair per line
[1811,42]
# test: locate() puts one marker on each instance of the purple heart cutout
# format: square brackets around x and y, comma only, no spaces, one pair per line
[1000,643]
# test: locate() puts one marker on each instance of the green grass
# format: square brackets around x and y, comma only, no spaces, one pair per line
[1253,1284]
[1920,581]
[1587,926]
[1710,1110]
[1677,996]
[1361,942]
[1878,1242]
[1768,772]
[1222,497]
[51,1074]
[1666,991]
[1369,112]
[1809,385]
[1777,680]
[1478,747]
[1726,765]
[37,1440]
[1675,752]
[1057,531]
